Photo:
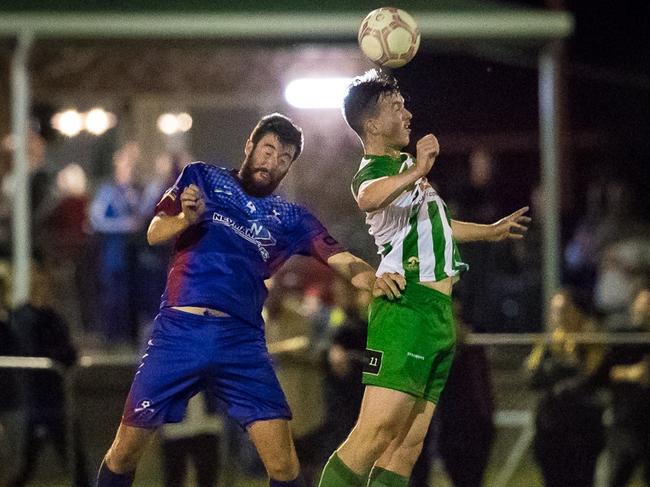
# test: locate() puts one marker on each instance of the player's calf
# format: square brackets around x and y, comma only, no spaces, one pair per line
[121,460]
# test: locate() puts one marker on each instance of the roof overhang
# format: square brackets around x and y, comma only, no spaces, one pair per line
[526,25]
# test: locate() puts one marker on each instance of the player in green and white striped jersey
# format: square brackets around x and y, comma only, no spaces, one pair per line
[410,340]
[413,233]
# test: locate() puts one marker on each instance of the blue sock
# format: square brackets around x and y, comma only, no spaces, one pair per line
[297,482]
[106,478]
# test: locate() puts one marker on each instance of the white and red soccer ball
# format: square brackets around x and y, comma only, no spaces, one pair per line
[389,37]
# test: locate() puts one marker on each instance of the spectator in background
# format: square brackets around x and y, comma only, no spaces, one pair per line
[623,243]
[569,434]
[6,164]
[64,244]
[581,252]
[481,196]
[115,216]
[9,390]
[463,428]
[479,200]
[341,331]
[40,180]
[194,439]
[41,332]
[627,370]
[152,261]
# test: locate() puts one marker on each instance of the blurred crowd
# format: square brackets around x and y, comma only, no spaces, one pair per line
[96,286]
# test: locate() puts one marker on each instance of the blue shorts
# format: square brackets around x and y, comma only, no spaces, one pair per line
[188,353]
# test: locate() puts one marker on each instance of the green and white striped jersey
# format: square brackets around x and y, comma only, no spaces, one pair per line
[413,233]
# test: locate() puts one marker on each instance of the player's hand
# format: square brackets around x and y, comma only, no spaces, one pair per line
[513,226]
[389,284]
[427,149]
[192,203]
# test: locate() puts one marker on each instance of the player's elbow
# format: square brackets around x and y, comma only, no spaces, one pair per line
[152,238]
[153,234]
[367,204]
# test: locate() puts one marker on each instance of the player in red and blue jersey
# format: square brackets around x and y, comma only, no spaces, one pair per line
[231,233]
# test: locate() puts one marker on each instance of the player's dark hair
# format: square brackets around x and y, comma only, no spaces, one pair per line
[363,94]
[282,126]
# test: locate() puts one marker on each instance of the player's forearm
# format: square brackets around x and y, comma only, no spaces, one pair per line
[471,232]
[382,193]
[352,268]
[163,228]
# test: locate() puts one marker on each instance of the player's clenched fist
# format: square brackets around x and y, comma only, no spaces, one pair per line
[192,203]
[427,150]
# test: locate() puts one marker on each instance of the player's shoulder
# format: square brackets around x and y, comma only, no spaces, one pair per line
[208,173]
[291,213]
[371,164]
[200,166]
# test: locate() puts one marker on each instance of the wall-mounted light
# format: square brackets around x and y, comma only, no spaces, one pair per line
[173,123]
[99,121]
[71,122]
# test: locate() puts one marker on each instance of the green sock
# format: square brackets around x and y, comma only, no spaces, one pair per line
[338,474]
[380,477]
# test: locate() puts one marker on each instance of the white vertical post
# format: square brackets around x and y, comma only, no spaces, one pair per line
[21,222]
[551,152]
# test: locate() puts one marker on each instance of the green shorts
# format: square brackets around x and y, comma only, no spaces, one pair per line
[411,342]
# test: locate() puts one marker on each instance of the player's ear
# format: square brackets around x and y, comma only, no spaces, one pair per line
[371,126]
[248,148]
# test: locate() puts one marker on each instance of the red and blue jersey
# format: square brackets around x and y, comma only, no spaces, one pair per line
[221,262]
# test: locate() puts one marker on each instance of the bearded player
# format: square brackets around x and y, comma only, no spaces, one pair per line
[410,340]
[230,235]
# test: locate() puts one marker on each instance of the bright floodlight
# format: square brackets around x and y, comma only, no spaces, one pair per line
[317,92]
[99,121]
[168,123]
[69,123]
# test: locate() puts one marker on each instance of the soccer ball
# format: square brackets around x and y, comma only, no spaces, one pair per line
[389,37]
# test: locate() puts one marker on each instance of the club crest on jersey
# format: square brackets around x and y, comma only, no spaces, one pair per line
[412,263]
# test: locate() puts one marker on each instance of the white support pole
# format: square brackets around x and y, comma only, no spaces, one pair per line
[550,145]
[21,221]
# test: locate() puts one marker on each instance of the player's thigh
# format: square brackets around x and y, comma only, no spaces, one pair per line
[419,424]
[384,408]
[244,382]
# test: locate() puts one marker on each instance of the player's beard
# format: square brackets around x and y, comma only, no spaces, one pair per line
[252,185]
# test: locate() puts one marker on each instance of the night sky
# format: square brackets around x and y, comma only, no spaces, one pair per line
[607,100]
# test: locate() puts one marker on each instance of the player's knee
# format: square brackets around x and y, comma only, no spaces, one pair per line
[120,462]
[123,458]
[407,454]
[379,436]
[283,467]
